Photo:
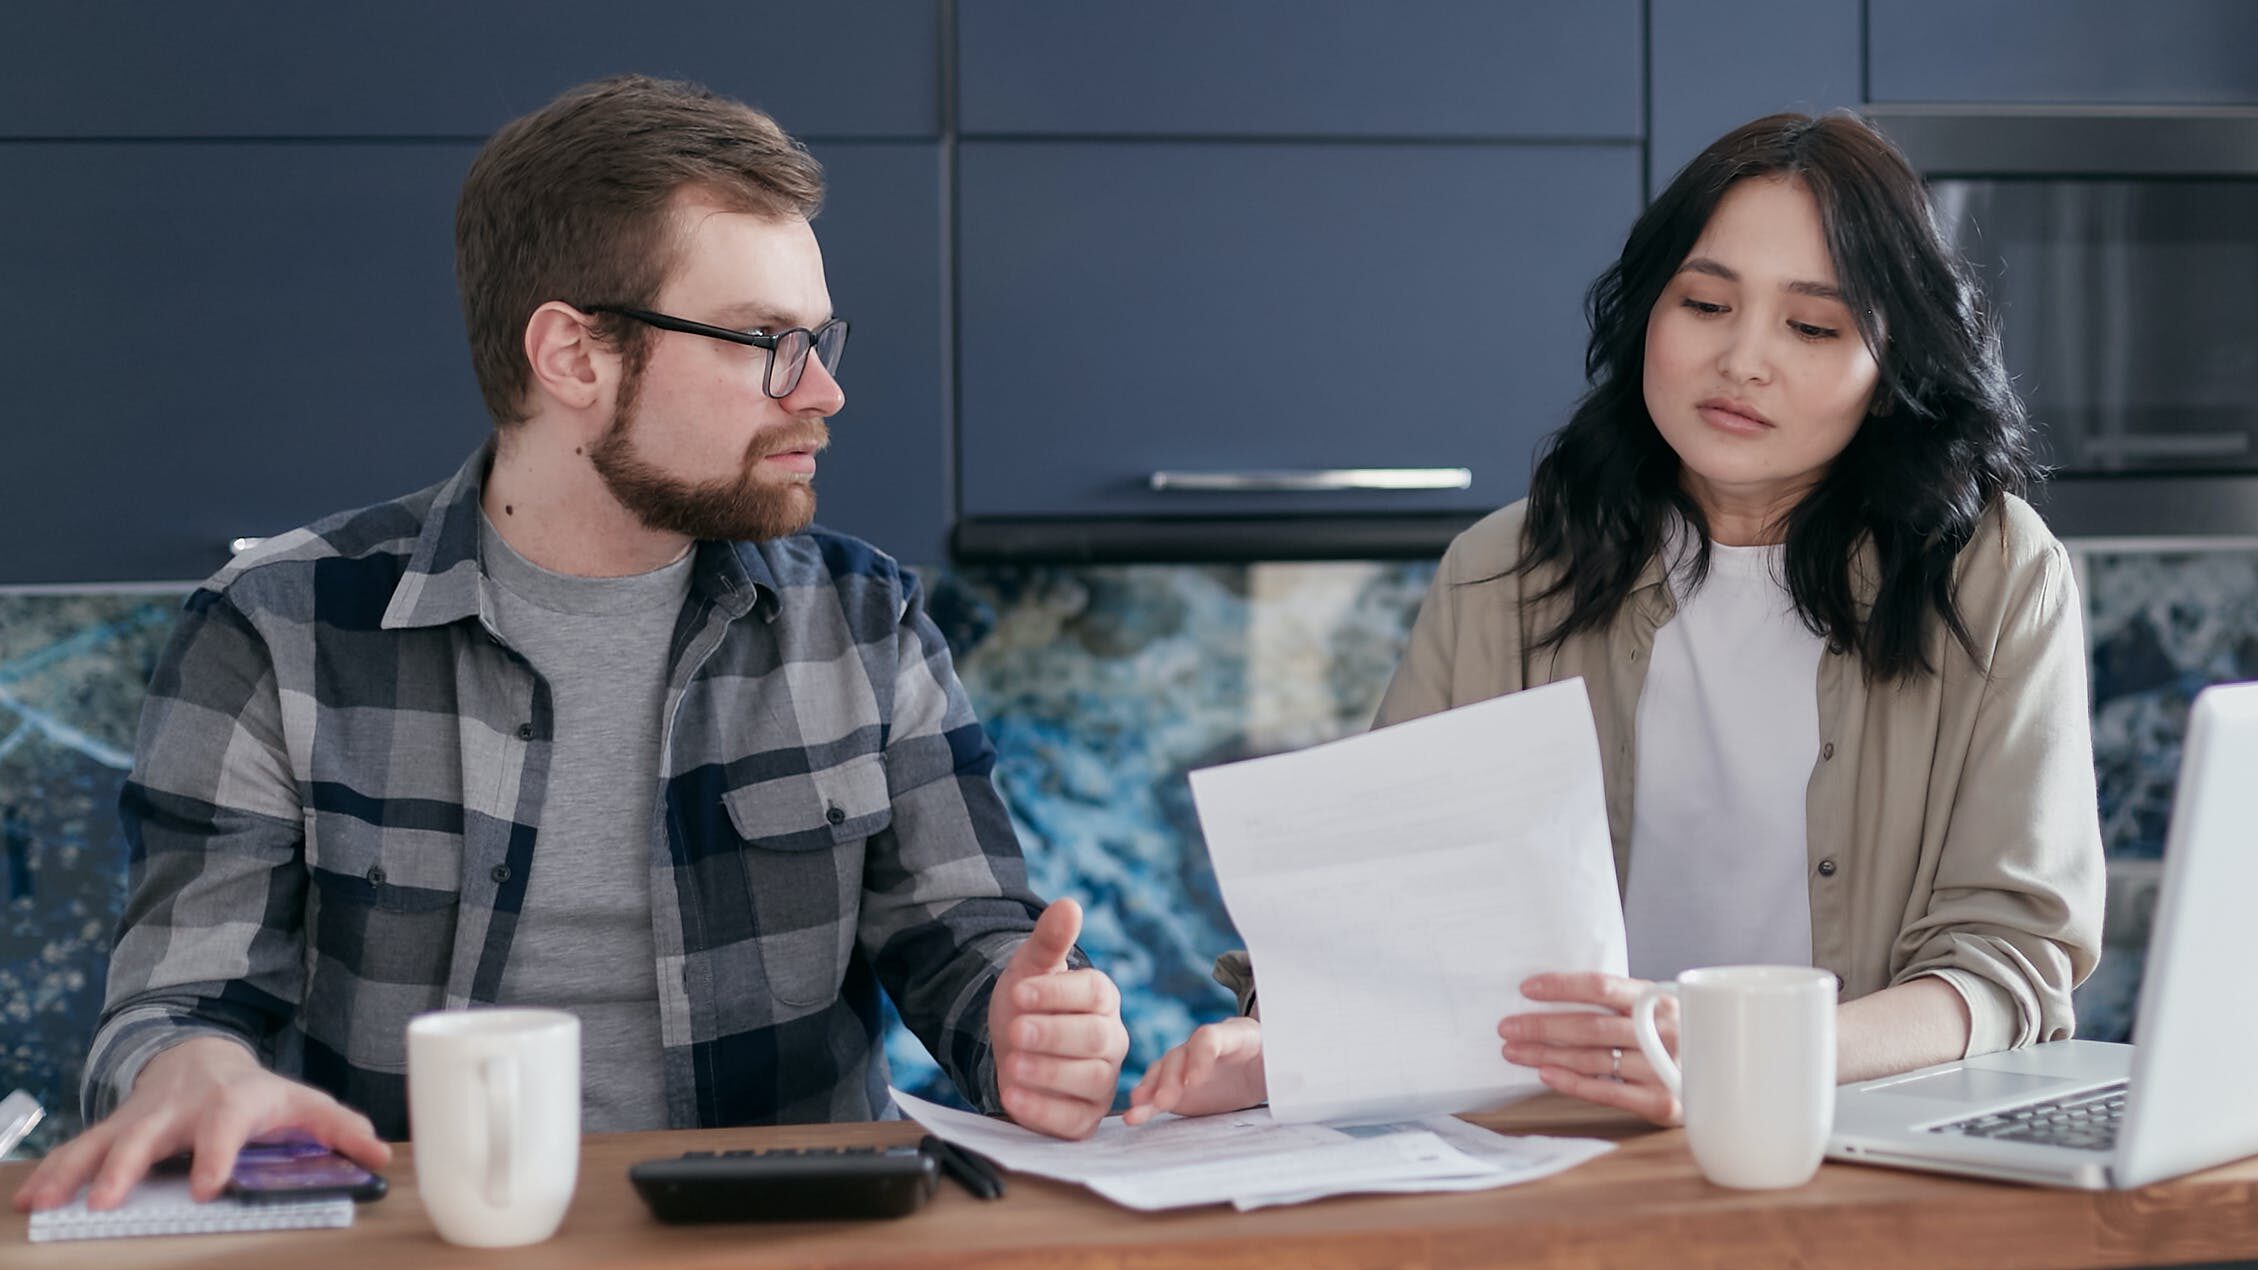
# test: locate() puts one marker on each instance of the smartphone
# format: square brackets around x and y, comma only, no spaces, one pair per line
[270,1171]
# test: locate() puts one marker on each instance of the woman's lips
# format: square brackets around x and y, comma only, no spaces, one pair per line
[1728,416]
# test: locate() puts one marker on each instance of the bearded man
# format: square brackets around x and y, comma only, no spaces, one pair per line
[599,723]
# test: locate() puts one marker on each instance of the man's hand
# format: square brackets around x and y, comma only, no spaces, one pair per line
[1057,1032]
[206,1095]
[1219,1068]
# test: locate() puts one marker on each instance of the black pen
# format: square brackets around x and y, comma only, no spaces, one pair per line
[955,1165]
[972,1172]
[983,1168]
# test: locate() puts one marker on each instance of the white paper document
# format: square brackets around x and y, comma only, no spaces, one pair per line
[1249,1159]
[1396,887]
[1511,1159]
[1167,1143]
[1400,1160]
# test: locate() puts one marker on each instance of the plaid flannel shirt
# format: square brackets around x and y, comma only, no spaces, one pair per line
[336,796]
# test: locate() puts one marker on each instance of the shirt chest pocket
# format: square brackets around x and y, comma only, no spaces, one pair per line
[803,843]
[405,867]
[385,896]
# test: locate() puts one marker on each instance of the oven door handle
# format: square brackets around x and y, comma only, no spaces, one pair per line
[1319,480]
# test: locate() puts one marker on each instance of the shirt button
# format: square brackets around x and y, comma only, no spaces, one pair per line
[376,875]
[501,873]
[524,731]
[834,815]
[1827,868]
[1827,751]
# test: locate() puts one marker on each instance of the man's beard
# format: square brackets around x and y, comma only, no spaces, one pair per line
[735,508]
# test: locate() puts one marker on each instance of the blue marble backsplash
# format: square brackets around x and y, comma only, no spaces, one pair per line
[1102,687]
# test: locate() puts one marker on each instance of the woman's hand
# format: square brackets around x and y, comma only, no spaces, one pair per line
[1219,1068]
[1594,1056]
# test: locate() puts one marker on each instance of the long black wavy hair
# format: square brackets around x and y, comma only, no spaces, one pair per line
[1945,439]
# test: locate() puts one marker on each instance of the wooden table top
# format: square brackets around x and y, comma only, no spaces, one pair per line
[1641,1204]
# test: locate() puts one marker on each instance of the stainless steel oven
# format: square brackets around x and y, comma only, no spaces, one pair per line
[2122,247]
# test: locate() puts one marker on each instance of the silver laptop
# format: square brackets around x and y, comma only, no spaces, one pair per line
[2098,1116]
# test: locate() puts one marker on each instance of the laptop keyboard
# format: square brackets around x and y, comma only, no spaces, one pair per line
[2087,1121]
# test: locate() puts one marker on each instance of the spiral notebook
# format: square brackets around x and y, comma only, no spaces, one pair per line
[161,1206]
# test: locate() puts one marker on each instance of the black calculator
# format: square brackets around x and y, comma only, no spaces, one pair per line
[787,1184]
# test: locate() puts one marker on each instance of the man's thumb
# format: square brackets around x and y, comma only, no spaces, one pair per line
[1055,933]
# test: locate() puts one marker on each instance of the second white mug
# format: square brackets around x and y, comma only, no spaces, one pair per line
[494,1112]
[1756,1045]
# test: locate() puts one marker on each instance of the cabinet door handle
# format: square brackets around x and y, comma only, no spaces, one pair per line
[2166,445]
[237,546]
[1375,478]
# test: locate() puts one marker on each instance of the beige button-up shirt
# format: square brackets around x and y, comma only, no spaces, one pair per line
[1951,818]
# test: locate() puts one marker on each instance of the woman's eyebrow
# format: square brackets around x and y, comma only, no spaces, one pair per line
[1719,269]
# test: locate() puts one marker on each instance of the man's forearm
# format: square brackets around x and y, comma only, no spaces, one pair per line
[132,1038]
[1898,1029]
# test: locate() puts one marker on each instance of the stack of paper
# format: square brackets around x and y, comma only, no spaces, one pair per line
[1250,1160]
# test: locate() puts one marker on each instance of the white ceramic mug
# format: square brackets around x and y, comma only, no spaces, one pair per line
[494,1111]
[1757,1047]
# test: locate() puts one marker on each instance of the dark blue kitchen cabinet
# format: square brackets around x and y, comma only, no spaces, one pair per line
[1716,64]
[1082,243]
[1322,68]
[227,230]
[215,340]
[2162,52]
[441,68]
[886,476]
[1128,309]
[218,340]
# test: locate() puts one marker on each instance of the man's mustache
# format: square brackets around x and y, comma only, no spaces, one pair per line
[814,438]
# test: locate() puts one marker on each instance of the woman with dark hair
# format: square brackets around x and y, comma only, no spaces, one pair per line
[1835,661]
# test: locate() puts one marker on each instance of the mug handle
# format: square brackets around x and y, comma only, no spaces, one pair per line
[499,1075]
[1650,1041]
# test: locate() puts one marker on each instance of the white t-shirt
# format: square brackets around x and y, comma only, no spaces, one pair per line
[1728,732]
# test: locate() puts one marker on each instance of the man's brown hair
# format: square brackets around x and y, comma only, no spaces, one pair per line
[574,202]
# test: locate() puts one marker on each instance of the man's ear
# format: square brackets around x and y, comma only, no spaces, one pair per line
[568,363]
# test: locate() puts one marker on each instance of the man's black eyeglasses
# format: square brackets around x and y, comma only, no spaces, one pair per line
[787,349]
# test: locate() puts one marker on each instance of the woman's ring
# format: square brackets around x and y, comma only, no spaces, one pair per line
[1615,1065]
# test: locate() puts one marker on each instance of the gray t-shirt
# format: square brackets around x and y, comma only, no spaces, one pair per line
[583,940]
